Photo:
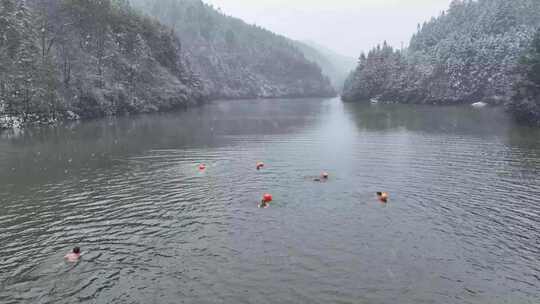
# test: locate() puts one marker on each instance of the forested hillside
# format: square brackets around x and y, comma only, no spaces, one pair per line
[87,58]
[237,60]
[469,53]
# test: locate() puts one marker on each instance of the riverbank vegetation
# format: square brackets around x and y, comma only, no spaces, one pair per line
[469,53]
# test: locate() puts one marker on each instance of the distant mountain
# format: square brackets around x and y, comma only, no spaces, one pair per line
[237,60]
[336,66]
[86,58]
[469,53]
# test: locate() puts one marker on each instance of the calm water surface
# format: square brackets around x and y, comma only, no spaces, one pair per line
[462,225]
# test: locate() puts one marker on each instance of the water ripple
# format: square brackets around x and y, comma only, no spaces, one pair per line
[462,223]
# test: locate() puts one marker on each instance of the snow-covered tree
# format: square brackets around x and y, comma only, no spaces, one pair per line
[467,54]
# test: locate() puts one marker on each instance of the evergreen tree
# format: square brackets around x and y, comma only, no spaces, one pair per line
[25,68]
[525,104]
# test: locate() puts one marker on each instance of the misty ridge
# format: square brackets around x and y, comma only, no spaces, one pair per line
[72,59]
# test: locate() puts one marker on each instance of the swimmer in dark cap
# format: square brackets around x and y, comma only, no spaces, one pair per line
[73,256]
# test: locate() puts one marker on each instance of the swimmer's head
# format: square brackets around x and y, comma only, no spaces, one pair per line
[77,250]
[379,193]
[325,175]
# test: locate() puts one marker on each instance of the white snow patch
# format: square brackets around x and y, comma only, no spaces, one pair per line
[479,105]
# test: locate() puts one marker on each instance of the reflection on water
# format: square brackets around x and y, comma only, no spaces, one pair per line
[462,224]
[441,119]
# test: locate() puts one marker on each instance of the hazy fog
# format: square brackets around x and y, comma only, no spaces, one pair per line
[347,26]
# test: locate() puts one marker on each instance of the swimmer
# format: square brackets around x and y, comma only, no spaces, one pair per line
[383,196]
[265,202]
[73,256]
[323,178]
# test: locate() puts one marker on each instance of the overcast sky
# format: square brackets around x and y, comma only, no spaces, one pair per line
[346,26]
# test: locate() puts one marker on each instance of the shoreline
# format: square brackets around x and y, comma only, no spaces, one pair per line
[11,122]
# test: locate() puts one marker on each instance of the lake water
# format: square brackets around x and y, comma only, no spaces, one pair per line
[462,224]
